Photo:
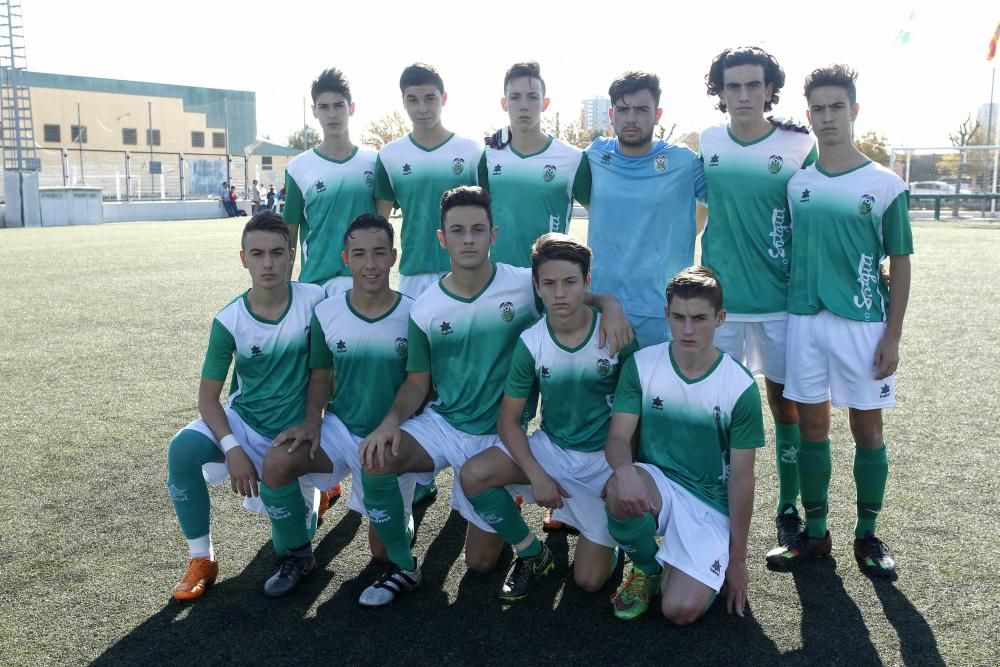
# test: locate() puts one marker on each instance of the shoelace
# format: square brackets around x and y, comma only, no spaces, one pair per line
[636,586]
[874,547]
[522,572]
[288,564]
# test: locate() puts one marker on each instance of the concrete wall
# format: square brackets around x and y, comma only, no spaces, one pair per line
[167,210]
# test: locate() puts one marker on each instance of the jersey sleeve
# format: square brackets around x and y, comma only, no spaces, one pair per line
[582,181]
[484,180]
[319,352]
[700,184]
[294,212]
[418,355]
[521,376]
[746,429]
[628,395]
[897,237]
[383,186]
[813,154]
[626,352]
[219,355]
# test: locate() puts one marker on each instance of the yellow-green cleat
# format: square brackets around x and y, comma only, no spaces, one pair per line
[633,598]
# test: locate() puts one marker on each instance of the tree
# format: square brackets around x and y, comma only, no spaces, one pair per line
[875,146]
[964,165]
[691,140]
[386,128]
[304,139]
[661,132]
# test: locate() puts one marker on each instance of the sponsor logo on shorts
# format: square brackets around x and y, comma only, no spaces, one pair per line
[319,186]
[498,169]
[255,351]
[507,311]
[778,231]
[603,367]
[716,568]
[446,329]
[402,345]
[341,346]
[457,166]
[378,516]
[714,161]
[774,164]
[884,393]
[660,163]
[867,276]
[277,512]
[657,403]
[178,495]
[549,173]
[407,169]
[866,204]
[370,179]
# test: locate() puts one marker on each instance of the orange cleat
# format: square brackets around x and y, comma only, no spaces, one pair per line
[201,574]
[518,500]
[334,491]
[550,525]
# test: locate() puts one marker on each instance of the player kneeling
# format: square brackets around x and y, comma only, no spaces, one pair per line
[361,336]
[563,461]
[266,332]
[693,480]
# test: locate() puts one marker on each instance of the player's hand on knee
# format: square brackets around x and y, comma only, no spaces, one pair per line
[736,586]
[886,357]
[242,473]
[631,492]
[300,435]
[548,493]
[374,447]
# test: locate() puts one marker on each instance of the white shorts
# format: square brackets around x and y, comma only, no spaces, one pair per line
[760,346]
[447,446]
[583,476]
[338,285]
[830,358]
[695,536]
[256,447]
[415,285]
[341,447]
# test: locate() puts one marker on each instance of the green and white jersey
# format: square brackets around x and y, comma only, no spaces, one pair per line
[844,225]
[324,196]
[271,356]
[532,195]
[747,238]
[368,358]
[689,426]
[467,345]
[415,177]
[577,384]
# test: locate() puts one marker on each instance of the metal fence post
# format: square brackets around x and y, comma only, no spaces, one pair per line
[246,179]
[180,171]
[128,176]
[65,167]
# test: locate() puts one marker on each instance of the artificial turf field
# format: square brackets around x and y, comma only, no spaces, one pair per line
[103,333]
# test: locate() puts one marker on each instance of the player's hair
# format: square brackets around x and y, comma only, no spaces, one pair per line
[833,75]
[370,221]
[632,82]
[466,195]
[420,74]
[696,282]
[744,55]
[553,246]
[529,68]
[331,81]
[266,221]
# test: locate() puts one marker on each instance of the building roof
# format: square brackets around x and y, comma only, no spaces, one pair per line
[269,148]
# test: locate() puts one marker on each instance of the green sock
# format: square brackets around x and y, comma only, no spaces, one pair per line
[384,504]
[287,511]
[189,451]
[871,470]
[497,508]
[787,443]
[637,537]
[815,469]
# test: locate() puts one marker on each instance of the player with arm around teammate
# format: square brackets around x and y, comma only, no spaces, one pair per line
[265,333]
[692,479]
[563,462]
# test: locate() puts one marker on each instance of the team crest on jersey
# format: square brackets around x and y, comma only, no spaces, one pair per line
[507,311]
[774,163]
[866,204]
[370,179]
[457,166]
[549,173]
[402,345]
[660,163]
[603,367]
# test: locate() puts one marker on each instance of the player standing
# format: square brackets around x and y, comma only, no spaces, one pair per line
[693,479]
[747,241]
[848,213]
[642,206]
[328,186]
[265,332]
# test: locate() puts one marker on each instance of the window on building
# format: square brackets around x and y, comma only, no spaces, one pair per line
[266,163]
[218,140]
[52,133]
[152,137]
[130,136]
[78,134]
[197,140]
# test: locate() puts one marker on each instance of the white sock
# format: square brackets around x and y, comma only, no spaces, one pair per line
[201,547]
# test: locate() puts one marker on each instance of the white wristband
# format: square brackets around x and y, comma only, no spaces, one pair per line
[228,443]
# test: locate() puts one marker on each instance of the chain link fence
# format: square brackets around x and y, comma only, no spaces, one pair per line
[959,179]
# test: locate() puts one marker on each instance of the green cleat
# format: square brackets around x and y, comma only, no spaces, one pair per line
[873,557]
[633,598]
[523,572]
[425,493]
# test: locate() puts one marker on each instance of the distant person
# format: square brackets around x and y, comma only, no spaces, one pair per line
[844,324]
[254,198]
[227,204]
[270,198]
